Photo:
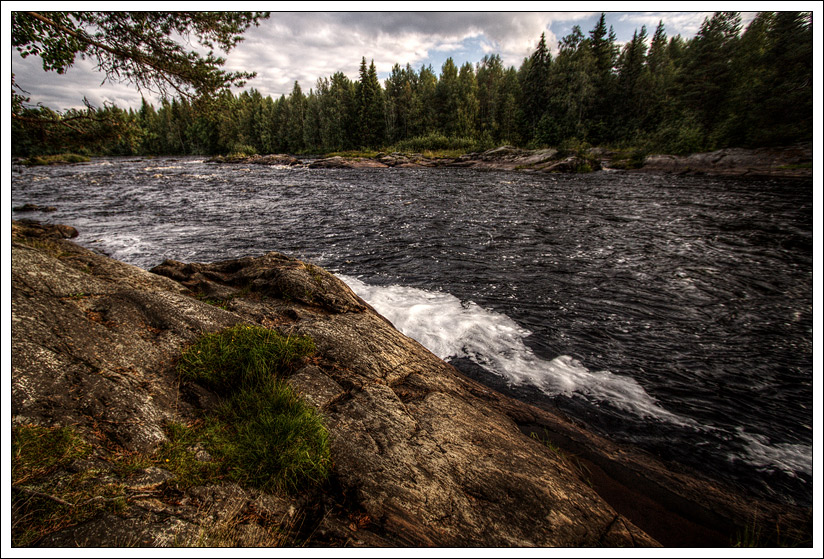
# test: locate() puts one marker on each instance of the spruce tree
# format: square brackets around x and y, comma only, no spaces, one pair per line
[535,86]
[488,77]
[601,114]
[446,98]
[370,110]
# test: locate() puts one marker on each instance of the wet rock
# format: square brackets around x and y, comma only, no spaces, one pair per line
[338,162]
[276,159]
[335,162]
[28,229]
[795,161]
[573,164]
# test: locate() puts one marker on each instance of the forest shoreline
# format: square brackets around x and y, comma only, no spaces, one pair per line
[794,161]
[790,161]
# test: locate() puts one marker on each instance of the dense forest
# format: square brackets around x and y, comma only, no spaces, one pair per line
[724,87]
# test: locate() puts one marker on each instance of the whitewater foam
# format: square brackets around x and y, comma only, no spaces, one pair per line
[787,457]
[451,328]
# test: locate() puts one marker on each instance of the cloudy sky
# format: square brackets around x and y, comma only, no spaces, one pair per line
[303,46]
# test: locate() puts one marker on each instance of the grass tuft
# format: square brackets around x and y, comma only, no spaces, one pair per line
[263,434]
[45,496]
[39,451]
[242,356]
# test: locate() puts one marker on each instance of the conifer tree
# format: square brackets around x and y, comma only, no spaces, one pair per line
[631,93]
[601,114]
[707,75]
[467,102]
[369,105]
[488,77]
[446,97]
[295,114]
[424,110]
[535,86]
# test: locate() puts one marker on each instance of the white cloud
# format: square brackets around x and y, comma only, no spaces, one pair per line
[686,24]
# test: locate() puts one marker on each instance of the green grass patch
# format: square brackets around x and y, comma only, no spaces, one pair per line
[179,453]
[444,153]
[243,356]
[632,158]
[39,451]
[58,159]
[794,166]
[263,434]
[46,497]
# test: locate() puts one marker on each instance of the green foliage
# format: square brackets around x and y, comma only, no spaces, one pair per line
[45,496]
[573,146]
[138,47]
[368,154]
[39,451]
[434,142]
[680,137]
[61,158]
[263,433]
[240,356]
[242,150]
[632,158]
[145,49]
[369,107]
[535,86]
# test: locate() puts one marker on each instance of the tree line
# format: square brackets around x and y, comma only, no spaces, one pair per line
[721,88]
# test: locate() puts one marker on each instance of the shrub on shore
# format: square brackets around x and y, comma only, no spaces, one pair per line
[57,159]
[435,142]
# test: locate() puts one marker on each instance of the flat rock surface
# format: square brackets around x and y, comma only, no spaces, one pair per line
[795,161]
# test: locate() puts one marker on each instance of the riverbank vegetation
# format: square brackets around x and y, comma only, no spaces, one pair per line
[55,159]
[725,87]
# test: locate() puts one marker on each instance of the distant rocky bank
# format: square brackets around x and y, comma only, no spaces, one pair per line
[423,455]
[794,161]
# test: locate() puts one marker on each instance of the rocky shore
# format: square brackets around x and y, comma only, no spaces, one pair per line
[793,161]
[423,456]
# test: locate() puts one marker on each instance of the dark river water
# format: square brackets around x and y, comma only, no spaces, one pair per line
[672,312]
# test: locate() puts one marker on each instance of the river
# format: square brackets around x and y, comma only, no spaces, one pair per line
[671,312]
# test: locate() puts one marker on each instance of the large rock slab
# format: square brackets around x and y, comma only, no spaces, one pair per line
[795,161]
